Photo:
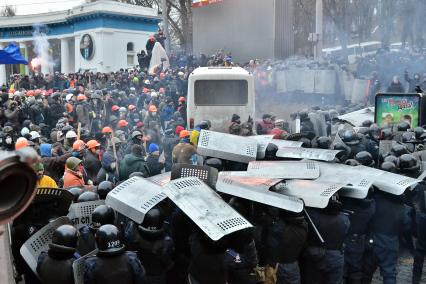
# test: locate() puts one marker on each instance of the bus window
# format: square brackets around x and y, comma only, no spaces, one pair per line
[221,92]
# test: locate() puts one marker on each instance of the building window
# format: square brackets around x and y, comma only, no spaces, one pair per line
[130,47]
[130,59]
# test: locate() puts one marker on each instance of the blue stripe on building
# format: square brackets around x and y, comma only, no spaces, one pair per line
[85,22]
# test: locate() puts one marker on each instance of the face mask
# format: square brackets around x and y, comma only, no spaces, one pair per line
[154,113]
[39,100]
[8,140]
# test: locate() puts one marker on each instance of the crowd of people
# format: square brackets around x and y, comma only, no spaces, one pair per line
[95,131]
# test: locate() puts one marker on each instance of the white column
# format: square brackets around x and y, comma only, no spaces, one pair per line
[23,45]
[65,56]
[3,79]
[318,28]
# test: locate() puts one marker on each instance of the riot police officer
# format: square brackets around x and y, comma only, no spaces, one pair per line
[113,264]
[323,263]
[104,188]
[55,265]
[102,215]
[154,246]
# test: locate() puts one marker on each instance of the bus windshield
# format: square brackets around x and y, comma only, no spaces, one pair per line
[221,92]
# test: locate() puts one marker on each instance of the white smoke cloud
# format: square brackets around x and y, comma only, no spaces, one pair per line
[41,49]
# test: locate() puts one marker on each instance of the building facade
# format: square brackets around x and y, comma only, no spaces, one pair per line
[249,29]
[102,36]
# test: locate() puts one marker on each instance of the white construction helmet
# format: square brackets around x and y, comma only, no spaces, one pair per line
[71,134]
[24,131]
[34,135]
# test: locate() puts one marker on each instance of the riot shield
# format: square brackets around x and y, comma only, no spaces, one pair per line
[49,203]
[78,267]
[226,146]
[318,120]
[307,153]
[205,173]
[356,118]
[314,193]
[284,169]
[354,180]
[243,185]
[205,207]
[286,143]
[262,143]
[390,182]
[160,179]
[135,197]
[40,241]
[80,214]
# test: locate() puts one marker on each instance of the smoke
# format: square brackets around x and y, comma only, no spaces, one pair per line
[43,58]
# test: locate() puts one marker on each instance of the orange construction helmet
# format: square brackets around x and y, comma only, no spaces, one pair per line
[37,92]
[131,107]
[81,97]
[21,143]
[115,108]
[107,129]
[92,144]
[78,145]
[30,93]
[152,108]
[184,134]
[182,99]
[122,123]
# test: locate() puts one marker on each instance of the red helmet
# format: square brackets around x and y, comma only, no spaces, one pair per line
[182,99]
[30,93]
[122,123]
[107,129]
[81,97]
[78,145]
[131,107]
[92,144]
[115,108]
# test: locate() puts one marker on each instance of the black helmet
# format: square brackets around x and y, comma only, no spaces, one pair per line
[76,192]
[240,205]
[271,152]
[387,134]
[104,188]
[88,196]
[324,142]
[407,163]
[108,240]
[350,137]
[398,150]
[214,163]
[388,167]
[391,159]
[403,126]
[306,142]
[102,215]
[204,125]
[352,162]
[374,131]
[364,158]
[419,131]
[153,223]
[367,123]
[408,137]
[345,151]
[64,239]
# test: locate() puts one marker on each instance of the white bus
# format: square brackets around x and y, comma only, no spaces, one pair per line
[216,93]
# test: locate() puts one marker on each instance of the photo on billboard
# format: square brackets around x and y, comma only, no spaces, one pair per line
[391,109]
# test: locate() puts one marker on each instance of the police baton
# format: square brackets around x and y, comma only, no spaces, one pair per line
[313,226]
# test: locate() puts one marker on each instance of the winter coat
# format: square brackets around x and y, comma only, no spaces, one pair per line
[131,164]
[154,165]
[73,179]
[82,111]
[55,166]
[92,165]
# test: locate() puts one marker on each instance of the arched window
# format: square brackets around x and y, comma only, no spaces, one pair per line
[130,46]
